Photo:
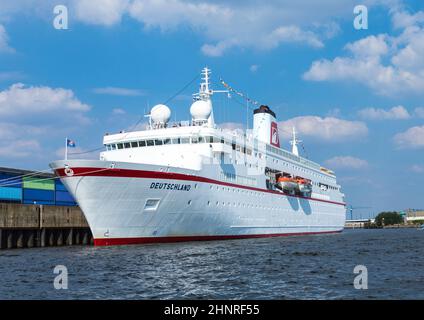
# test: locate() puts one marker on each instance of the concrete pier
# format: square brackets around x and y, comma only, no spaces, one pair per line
[29,226]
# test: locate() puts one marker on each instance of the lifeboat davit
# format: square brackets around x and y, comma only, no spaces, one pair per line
[304,185]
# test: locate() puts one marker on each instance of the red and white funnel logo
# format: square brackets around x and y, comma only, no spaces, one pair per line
[275,140]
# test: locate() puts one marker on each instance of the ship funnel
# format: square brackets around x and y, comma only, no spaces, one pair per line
[265,127]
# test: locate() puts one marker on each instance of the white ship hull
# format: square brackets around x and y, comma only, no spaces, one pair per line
[142,203]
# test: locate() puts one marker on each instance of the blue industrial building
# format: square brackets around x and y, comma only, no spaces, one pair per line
[31,187]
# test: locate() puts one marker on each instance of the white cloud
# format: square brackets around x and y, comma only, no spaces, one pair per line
[326,129]
[118,111]
[413,138]
[419,112]
[19,141]
[254,68]
[56,112]
[222,25]
[20,149]
[225,25]
[10,131]
[216,50]
[402,19]
[370,47]
[395,113]
[4,41]
[119,91]
[21,100]
[390,65]
[342,162]
[100,12]
[417,168]
[291,33]
[231,126]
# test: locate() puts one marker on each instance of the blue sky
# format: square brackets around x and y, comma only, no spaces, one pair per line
[355,96]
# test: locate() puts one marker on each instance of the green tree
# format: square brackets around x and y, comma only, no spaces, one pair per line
[388,218]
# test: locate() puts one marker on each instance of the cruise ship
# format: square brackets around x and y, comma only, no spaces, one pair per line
[192,180]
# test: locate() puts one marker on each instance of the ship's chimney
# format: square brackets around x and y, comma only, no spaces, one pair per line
[265,127]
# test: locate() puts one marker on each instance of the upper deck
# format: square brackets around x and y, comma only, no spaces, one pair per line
[221,140]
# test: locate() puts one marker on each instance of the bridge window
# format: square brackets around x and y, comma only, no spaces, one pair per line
[134,144]
[120,146]
[158,142]
[176,141]
[167,141]
[150,143]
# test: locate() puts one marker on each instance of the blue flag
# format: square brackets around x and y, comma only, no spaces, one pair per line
[70,143]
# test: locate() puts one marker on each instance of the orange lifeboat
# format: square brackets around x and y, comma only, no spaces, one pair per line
[287,183]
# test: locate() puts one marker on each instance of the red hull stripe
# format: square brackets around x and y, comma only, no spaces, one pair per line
[128,173]
[144,240]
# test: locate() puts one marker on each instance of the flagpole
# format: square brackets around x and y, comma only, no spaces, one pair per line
[66,148]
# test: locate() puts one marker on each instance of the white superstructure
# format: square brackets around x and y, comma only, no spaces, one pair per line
[195,181]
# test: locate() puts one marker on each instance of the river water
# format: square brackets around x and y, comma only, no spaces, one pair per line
[304,267]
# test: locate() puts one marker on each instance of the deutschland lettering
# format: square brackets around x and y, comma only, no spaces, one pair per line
[170,186]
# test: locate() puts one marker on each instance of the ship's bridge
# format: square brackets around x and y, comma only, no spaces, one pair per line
[182,145]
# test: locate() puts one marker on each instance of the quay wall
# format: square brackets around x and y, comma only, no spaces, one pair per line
[27,226]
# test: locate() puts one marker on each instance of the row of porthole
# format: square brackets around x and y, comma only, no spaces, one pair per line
[238,190]
[251,205]
[243,205]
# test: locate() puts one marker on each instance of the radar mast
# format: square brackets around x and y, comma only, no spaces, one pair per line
[294,142]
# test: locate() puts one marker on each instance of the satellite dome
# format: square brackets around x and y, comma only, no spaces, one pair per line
[200,110]
[160,113]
